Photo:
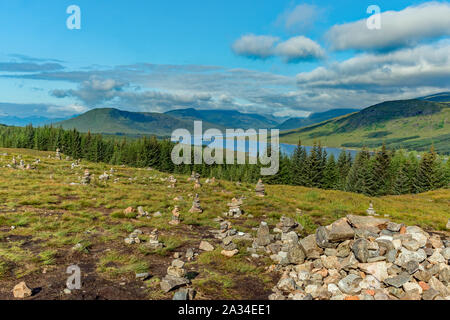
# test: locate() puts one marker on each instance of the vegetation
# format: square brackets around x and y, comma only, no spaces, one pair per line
[374,175]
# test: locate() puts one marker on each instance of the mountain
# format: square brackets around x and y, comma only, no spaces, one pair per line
[438,97]
[231,119]
[411,124]
[21,122]
[114,121]
[294,123]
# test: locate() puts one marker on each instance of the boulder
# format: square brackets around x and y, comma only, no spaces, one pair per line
[22,291]
[360,249]
[206,246]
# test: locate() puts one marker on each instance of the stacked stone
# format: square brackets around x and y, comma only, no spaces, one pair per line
[194,176]
[142,212]
[104,177]
[364,258]
[371,211]
[175,216]
[153,242]
[197,184]
[196,208]
[260,189]
[86,179]
[210,181]
[234,208]
[172,181]
[58,154]
[175,277]
[133,237]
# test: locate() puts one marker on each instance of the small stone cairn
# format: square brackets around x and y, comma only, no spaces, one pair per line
[360,258]
[196,208]
[133,237]
[104,177]
[197,184]
[58,154]
[153,242]
[234,208]
[175,216]
[371,211]
[176,276]
[260,189]
[86,179]
[172,182]
[142,212]
[194,177]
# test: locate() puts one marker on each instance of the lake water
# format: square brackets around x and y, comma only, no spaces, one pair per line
[285,148]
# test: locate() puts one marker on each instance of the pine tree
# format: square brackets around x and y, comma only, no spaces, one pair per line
[331,174]
[430,174]
[380,172]
[299,166]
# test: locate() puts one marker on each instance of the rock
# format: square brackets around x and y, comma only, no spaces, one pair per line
[206,246]
[67,291]
[448,224]
[196,208]
[263,234]
[412,288]
[340,231]
[322,235]
[142,276]
[175,216]
[286,285]
[430,294]
[377,269]
[439,286]
[369,223]
[399,280]
[176,272]
[360,249]
[177,263]
[169,283]
[436,258]
[128,210]
[405,256]
[371,211]
[309,246]
[22,291]
[295,254]
[330,262]
[350,284]
[370,282]
[184,294]
[394,227]
[229,253]
[260,189]
[412,266]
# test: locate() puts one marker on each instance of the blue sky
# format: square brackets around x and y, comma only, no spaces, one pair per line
[278,57]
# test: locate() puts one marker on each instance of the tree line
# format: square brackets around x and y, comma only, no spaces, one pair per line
[372,173]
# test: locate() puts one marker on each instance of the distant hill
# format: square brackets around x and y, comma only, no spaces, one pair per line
[294,123]
[438,97]
[231,119]
[411,124]
[114,121]
[21,122]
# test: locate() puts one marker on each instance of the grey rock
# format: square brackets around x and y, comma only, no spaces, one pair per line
[310,247]
[263,235]
[412,266]
[322,238]
[399,280]
[296,254]
[170,282]
[339,231]
[350,284]
[360,249]
[394,227]
[430,294]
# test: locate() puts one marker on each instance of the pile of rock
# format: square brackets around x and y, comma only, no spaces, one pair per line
[234,208]
[260,189]
[210,181]
[196,208]
[175,277]
[86,179]
[362,258]
[58,154]
[104,177]
[172,182]
[175,216]
[197,184]
[133,237]
[194,176]
[153,242]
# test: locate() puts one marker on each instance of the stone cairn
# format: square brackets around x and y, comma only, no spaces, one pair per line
[153,242]
[104,177]
[58,154]
[210,181]
[175,216]
[371,211]
[234,208]
[133,237]
[176,276]
[196,208]
[197,184]
[75,164]
[260,190]
[194,177]
[359,258]
[142,212]
[172,182]
[86,179]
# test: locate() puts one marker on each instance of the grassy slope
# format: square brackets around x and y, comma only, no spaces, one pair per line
[413,132]
[113,121]
[51,216]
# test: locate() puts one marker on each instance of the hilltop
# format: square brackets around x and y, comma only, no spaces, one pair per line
[411,124]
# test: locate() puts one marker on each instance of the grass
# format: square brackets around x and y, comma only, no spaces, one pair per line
[50,215]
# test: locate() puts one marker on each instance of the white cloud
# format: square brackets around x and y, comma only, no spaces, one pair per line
[299,48]
[255,47]
[407,27]
[68,110]
[299,18]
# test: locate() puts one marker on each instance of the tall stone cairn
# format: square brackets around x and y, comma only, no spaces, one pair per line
[86,179]
[196,208]
[260,190]
[234,208]
[175,216]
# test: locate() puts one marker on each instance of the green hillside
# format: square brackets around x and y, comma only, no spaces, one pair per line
[114,121]
[294,123]
[227,118]
[410,124]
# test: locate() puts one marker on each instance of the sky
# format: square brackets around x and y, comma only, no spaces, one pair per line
[284,57]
